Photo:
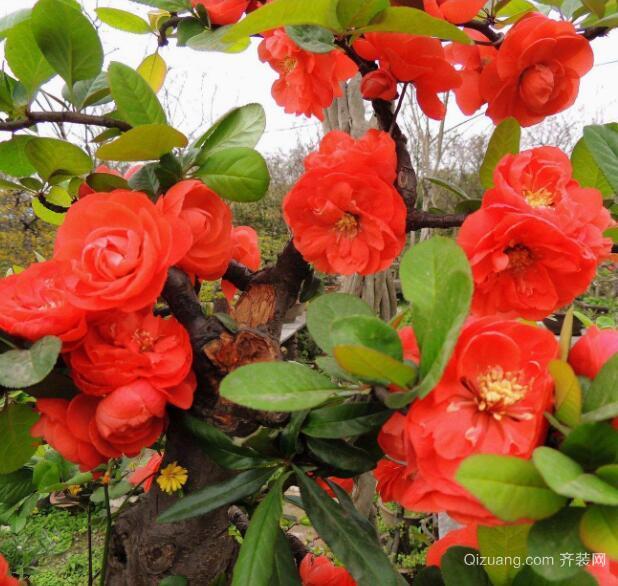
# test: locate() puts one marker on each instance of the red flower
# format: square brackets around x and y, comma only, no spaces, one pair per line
[320,571]
[540,181]
[472,59]
[605,573]
[308,82]
[246,250]
[346,483]
[537,70]
[593,350]
[345,215]
[129,419]
[415,59]
[223,11]
[34,304]
[523,265]
[121,348]
[119,247]
[65,426]
[209,220]
[379,85]
[491,400]
[5,577]
[466,537]
[144,475]
[455,11]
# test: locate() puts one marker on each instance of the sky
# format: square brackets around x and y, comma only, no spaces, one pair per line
[203,85]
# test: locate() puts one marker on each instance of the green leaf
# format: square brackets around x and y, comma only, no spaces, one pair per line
[187,29]
[341,455]
[53,207]
[240,127]
[68,40]
[599,530]
[135,99]
[286,12]
[603,144]
[13,158]
[609,474]
[368,331]
[153,69]
[13,95]
[567,478]
[592,445]
[400,19]
[528,577]
[285,572]
[217,40]
[456,572]
[586,170]
[429,576]
[23,368]
[504,140]
[16,443]
[437,281]
[25,58]
[359,551]
[329,366]
[568,399]
[16,486]
[169,5]
[8,22]
[123,20]
[50,156]
[289,435]
[255,560]
[46,473]
[214,496]
[324,310]
[237,174]
[358,13]
[601,399]
[511,488]
[144,143]
[460,193]
[221,448]
[347,420]
[374,366]
[89,92]
[314,39]
[103,182]
[277,386]
[551,538]
[503,543]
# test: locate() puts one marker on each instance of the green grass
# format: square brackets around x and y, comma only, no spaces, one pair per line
[52,549]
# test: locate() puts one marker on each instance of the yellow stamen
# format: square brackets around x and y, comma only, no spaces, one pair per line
[541,198]
[498,390]
[172,478]
[145,340]
[347,226]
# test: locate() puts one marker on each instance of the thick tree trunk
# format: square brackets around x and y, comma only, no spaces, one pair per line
[143,552]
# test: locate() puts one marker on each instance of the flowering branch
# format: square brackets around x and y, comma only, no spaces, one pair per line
[484,27]
[32,118]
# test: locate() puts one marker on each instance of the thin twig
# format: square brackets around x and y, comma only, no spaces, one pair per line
[108,534]
[33,118]
[90,574]
[398,108]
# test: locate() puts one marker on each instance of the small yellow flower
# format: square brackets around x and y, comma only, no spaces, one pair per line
[172,478]
[74,489]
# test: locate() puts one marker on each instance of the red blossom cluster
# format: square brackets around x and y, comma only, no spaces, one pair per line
[533,73]
[111,259]
[344,212]
[538,238]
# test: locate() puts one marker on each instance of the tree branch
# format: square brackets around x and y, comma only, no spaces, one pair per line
[33,118]
[485,28]
[239,275]
[171,22]
[419,219]
[595,32]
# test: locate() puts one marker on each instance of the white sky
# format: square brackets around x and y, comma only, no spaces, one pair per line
[209,84]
